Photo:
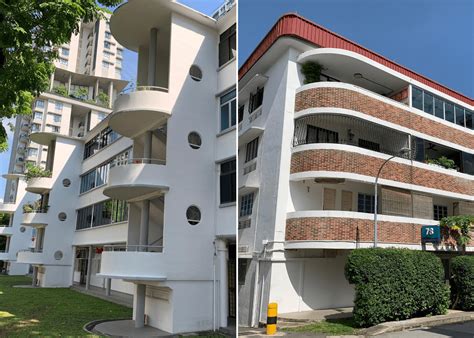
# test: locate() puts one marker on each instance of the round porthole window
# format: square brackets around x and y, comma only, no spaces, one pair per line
[62,216]
[193,214]
[195,73]
[58,255]
[66,182]
[22,229]
[194,140]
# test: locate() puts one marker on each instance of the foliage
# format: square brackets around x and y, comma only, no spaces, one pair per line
[311,71]
[343,326]
[4,219]
[60,90]
[396,284]
[462,282]
[29,32]
[443,161]
[81,94]
[103,98]
[458,228]
[50,312]
[33,171]
[3,243]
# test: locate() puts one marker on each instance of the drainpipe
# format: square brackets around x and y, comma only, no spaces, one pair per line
[214,287]
[89,266]
[223,303]
[152,57]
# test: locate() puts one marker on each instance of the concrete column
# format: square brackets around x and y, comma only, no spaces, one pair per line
[35,276]
[152,57]
[96,89]
[140,306]
[69,80]
[147,145]
[144,222]
[111,93]
[89,266]
[108,283]
[50,156]
[222,256]
[51,81]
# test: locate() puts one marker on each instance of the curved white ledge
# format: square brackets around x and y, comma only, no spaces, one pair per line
[29,257]
[6,231]
[6,256]
[8,208]
[35,219]
[133,266]
[39,185]
[43,137]
[139,111]
[134,181]
[249,182]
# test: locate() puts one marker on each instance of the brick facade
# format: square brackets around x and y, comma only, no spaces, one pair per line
[349,99]
[350,229]
[344,161]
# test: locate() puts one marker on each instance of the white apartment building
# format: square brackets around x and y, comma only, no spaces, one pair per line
[144,200]
[81,92]
[309,155]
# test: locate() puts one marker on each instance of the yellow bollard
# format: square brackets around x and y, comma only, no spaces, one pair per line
[272,312]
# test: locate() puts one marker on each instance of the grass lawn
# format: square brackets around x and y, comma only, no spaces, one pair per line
[50,312]
[341,326]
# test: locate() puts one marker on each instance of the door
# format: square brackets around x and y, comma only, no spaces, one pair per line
[231,277]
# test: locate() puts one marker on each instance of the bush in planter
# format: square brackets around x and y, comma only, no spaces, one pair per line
[311,71]
[462,282]
[396,284]
[103,99]
[60,90]
[457,228]
[444,162]
[33,171]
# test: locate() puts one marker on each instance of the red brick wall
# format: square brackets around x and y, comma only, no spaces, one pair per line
[350,229]
[344,161]
[349,99]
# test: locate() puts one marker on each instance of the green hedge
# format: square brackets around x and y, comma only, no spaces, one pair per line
[396,284]
[462,282]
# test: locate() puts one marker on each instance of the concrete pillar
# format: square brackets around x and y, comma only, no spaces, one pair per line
[222,256]
[147,146]
[89,266]
[96,90]
[140,305]
[108,283]
[69,80]
[152,57]
[35,275]
[111,93]
[50,156]
[144,222]
[51,81]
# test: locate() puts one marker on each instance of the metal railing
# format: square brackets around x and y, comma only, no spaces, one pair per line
[133,248]
[36,211]
[131,89]
[128,161]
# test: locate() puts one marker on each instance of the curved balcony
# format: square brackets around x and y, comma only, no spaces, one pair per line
[37,218]
[7,207]
[133,264]
[329,161]
[144,109]
[137,179]
[39,185]
[30,257]
[44,137]
[5,256]
[23,138]
[334,229]
[6,231]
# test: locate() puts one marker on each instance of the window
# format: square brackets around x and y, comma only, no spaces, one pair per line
[105,64]
[440,211]
[428,103]
[449,112]
[246,205]
[251,150]
[38,115]
[241,113]
[119,52]
[32,152]
[63,61]
[417,98]
[58,105]
[53,129]
[194,140]
[256,100]
[196,73]
[101,140]
[460,116]
[107,55]
[227,182]
[35,127]
[102,213]
[227,45]
[243,267]
[468,115]
[108,35]
[320,135]
[193,215]
[106,45]
[228,110]
[439,111]
[56,117]
[369,145]
[64,51]
[366,203]
[39,104]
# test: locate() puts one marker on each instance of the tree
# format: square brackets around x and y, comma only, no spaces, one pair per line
[29,32]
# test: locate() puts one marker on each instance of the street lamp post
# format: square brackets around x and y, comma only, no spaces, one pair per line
[401,152]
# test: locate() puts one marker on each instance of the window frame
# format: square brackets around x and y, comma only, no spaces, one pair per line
[227,179]
[251,150]
[230,104]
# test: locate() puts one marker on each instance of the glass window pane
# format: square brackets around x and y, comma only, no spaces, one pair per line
[460,116]
[417,98]
[428,103]
[468,119]
[449,112]
[225,117]
[439,111]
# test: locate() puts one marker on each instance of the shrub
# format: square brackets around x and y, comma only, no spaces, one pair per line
[60,90]
[396,284]
[311,71]
[443,161]
[457,228]
[103,99]
[33,171]
[462,282]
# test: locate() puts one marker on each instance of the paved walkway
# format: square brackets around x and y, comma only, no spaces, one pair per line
[462,330]
[115,296]
[126,328]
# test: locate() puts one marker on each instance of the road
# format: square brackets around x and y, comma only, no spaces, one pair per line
[462,330]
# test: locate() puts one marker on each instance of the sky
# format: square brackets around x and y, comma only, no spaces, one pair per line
[129,69]
[432,37]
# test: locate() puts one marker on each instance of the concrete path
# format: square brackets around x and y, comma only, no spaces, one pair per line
[126,328]
[115,297]
[462,330]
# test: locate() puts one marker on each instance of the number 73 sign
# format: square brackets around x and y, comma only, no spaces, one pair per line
[430,233]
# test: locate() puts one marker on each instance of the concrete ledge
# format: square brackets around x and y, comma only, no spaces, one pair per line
[452,317]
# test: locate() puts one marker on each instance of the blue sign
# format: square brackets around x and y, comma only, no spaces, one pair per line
[430,233]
